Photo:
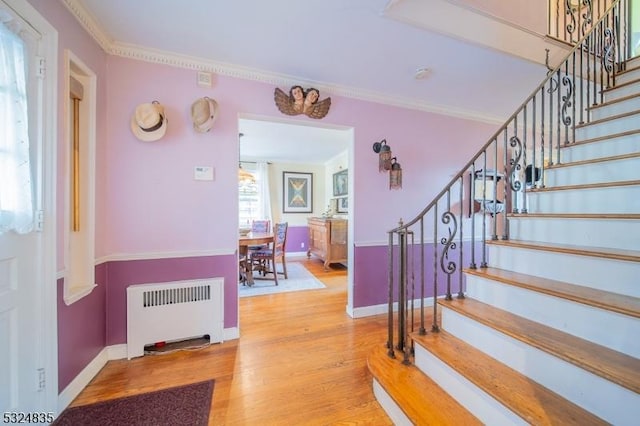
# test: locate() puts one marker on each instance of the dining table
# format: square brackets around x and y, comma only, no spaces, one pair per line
[252,239]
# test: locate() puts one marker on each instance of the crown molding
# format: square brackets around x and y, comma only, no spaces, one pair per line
[89,23]
[141,53]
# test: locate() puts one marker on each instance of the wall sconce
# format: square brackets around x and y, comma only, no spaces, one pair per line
[384,155]
[395,175]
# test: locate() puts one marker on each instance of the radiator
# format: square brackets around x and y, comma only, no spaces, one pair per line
[171,311]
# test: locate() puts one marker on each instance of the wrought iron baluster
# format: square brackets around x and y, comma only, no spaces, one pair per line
[423,330]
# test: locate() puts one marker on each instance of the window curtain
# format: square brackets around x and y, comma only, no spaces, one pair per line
[16,190]
[265,192]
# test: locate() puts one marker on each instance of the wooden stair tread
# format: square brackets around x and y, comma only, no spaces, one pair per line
[420,398]
[622,304]
[613,101]
[526,398]
[604,216]
[619,85]
[614,366]
[601,138]
[586,186]
[628,156]
[611,118]
[603,252]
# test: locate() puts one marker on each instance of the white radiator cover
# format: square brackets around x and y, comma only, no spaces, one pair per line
[176,310]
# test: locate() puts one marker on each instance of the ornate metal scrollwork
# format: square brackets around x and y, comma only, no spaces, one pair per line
[514,164]
[584,9]
[566,100]
[570,10]
[608,50]
[449,267]
[587,16]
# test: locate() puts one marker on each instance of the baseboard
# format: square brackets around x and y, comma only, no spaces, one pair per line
[368,311]
[231,333]
[109,353]
[76,386]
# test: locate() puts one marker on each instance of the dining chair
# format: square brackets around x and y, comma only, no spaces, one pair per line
[242,269]
[265,259]
[262,226]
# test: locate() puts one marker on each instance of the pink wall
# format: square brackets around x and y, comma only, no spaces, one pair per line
[148,204]
[156,206]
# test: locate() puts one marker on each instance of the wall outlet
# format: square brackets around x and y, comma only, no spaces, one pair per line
[301,245]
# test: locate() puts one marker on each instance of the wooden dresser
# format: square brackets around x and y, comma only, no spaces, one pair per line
[328,239]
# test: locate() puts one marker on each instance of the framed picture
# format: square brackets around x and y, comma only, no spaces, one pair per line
[340,183]
[343,205]
[297,192]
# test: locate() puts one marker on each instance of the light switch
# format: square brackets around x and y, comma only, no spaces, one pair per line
[203,173]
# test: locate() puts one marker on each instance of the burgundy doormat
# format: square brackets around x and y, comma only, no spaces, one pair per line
[181,405]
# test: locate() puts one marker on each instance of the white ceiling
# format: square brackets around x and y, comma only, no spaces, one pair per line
[348,47]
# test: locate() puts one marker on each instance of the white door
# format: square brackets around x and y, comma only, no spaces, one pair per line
[23,310]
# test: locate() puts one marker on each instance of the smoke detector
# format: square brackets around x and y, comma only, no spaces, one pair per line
[422,73]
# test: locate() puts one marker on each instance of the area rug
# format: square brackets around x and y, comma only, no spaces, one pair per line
[298,279]
[181,405]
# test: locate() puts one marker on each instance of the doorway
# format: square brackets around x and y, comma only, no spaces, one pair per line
[300,146]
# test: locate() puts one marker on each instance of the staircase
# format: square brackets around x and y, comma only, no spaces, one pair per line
[547,329]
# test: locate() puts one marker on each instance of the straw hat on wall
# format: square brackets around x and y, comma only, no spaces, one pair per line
[149,122]
[204,112]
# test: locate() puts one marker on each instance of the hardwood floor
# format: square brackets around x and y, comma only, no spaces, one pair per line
[300,360]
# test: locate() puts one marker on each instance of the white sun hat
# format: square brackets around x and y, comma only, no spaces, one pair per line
[204,112]
[149,122]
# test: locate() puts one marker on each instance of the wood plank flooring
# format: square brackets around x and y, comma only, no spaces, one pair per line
[300,360]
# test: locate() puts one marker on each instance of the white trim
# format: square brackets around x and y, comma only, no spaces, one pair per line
[76,386]
[163,255]
[389,405]
[200,64]
[231,333]
[381,243]
[368,311]
[73,294]
[378,243]
[89,24]
[79,246]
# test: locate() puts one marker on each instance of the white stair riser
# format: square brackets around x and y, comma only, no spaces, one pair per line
[595,394]
[609,110]
[601,172]
[586,322]
[614,199]
[621,234]
[392,409]
[619,125]
[605,148]
[617,276]
[479,403]
[633,73]
[624,91]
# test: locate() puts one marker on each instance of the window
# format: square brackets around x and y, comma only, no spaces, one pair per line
[249,197]
[80,112]
[16,189]
[253,197]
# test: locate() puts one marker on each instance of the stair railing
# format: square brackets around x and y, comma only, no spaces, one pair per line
[570,20]
[426,254]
